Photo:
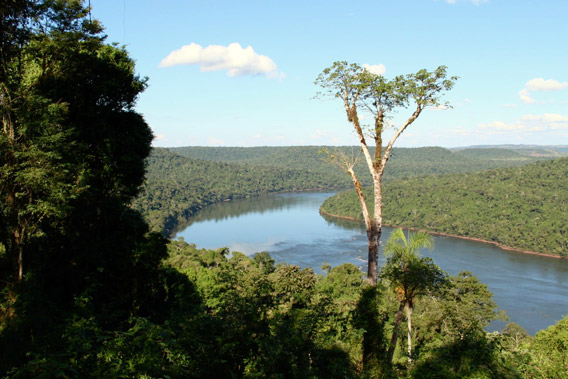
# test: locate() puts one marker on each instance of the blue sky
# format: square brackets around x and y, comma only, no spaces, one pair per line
[244,70]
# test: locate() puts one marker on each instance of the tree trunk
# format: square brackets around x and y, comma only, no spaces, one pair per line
[409,335]
[17,252]
[374,236]
[15,247]
[20,263]
[374,233]
[7,124]
[394,338]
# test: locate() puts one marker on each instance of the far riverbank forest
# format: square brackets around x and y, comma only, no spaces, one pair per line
[524,207]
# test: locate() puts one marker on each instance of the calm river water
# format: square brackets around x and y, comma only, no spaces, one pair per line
[533,290]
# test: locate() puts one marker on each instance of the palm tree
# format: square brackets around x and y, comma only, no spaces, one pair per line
[410,276]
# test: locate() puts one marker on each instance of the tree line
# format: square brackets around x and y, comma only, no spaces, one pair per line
[404,162]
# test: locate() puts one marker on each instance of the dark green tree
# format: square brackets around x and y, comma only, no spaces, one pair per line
[451,340]
[549,353]
[72,159]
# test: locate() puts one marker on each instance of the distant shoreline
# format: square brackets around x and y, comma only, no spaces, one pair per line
[504,247]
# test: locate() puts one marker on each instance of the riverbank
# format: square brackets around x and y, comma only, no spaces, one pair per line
[497,244]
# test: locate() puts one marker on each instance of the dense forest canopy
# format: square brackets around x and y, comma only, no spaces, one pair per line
[404,162]
[551,151]
[523,207]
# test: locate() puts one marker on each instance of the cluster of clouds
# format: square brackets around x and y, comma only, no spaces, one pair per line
[530,123]
[239,61]
[234,59]
[540,85]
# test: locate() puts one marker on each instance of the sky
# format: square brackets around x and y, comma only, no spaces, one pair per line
[241,73]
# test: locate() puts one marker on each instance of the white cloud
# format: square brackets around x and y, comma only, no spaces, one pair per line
[547,117]
[441,107]
[378,69]
[461,131]
[158,139]
[552,121]
[233,58]
[320,133]
[525,96]
[540,84]
[474,2]
[530,123]
[498,125]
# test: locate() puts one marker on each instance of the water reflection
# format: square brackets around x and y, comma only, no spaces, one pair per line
[241,207]
[343,223]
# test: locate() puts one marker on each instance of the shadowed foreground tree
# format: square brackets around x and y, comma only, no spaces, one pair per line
[72,158]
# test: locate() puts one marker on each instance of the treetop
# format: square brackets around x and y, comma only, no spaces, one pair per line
[353,83]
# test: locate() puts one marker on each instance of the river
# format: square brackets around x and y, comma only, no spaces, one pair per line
[533,290]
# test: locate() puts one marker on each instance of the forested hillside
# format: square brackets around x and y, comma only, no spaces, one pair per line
[180,181]
[548,151]
[491,154]
[404,162]
[524,207]
[176,187]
